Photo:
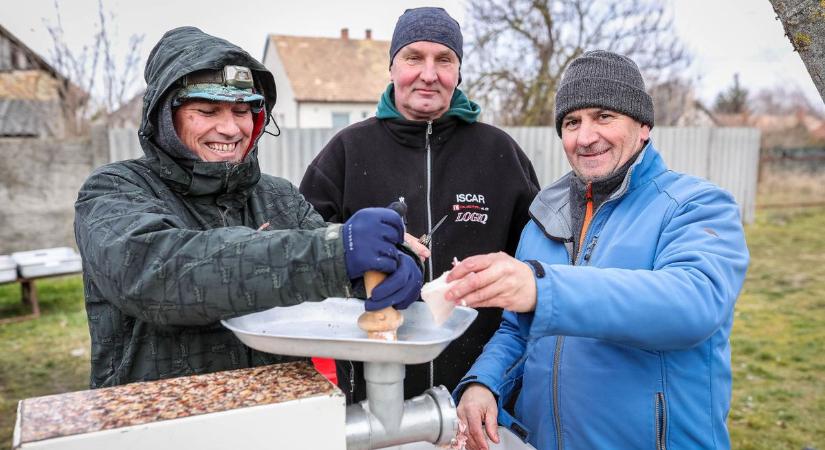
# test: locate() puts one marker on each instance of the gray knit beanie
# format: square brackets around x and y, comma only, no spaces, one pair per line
[602,79]
[427,24]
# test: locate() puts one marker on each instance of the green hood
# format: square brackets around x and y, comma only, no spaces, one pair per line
[460,106]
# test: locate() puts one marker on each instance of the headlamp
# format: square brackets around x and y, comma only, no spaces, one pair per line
[235,76]
[232,84]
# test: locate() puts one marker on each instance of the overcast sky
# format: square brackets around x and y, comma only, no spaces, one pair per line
[725,37]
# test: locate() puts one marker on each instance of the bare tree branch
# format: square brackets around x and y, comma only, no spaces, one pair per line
[84,70]
[518,49]
[804,23]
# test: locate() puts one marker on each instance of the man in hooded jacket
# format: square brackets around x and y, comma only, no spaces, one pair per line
[425,144]
[193,233]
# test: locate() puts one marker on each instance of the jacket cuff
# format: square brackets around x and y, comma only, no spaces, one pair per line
[335,246]
[469,379]
[541,321]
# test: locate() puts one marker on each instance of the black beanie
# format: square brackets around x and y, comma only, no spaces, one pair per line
[602,79]
[427,24]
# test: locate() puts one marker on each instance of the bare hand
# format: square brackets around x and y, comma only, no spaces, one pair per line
[493,280]
[478,406]
[420,249]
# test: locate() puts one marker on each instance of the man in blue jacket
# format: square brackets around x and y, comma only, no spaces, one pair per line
[619,303]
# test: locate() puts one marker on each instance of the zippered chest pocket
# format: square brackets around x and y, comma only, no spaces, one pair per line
[660,419]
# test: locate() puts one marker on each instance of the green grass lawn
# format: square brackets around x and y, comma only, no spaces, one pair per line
[44,356]
[779,335]
[778,339]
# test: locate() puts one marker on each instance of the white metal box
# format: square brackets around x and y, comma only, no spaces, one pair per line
[283,406]
[47,262]
[8,269]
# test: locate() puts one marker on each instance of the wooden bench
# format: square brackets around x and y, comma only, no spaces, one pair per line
[28,294]
[35,265]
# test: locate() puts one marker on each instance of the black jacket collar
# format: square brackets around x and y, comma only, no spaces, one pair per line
[413,133]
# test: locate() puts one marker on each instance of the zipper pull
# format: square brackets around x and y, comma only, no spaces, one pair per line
[589,249]
[588,214]
[427,138]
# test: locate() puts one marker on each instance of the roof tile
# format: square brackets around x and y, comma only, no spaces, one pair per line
[334,69]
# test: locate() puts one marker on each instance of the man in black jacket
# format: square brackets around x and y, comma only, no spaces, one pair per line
[426,145]
[193,232]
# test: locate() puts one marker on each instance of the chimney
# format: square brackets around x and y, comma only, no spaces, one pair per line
[368,34]
[345,33]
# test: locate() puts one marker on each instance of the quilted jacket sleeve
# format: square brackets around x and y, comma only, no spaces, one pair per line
[140,256]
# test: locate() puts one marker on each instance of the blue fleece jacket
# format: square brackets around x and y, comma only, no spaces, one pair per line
[628,347]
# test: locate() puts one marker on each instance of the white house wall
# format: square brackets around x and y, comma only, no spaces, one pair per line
[292,114]
[319,114]
[285,110]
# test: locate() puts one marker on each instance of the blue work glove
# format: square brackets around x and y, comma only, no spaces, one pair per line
[369,237]
[399,289]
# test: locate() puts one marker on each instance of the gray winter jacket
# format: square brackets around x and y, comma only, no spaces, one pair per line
[170,243]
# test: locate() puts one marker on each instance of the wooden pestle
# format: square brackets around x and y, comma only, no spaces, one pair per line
[382,324]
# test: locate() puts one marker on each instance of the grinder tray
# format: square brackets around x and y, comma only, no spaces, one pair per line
[329,329]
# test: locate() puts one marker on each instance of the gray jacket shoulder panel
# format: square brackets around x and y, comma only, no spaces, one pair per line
[551,209]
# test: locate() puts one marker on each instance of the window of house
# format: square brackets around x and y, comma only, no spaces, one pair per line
[340,119]
[19,59]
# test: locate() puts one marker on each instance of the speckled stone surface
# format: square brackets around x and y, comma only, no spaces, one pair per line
[138,403]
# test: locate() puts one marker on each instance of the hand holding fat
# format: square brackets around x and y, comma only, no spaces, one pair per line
[493,280]
[369,237]
[400,288]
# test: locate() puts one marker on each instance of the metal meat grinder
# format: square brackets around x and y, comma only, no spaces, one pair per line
[329,329]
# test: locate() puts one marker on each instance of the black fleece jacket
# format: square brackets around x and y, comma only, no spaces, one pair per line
[474,174]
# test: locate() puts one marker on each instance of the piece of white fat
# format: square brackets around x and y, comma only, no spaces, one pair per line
[433,295]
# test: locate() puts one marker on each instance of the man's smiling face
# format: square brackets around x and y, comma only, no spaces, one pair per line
[215,131]
[598,141]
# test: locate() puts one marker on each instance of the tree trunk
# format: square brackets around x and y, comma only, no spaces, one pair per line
[804,22]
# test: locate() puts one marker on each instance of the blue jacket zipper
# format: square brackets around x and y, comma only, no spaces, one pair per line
[584,258]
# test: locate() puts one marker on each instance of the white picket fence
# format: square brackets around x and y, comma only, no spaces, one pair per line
[728,157]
